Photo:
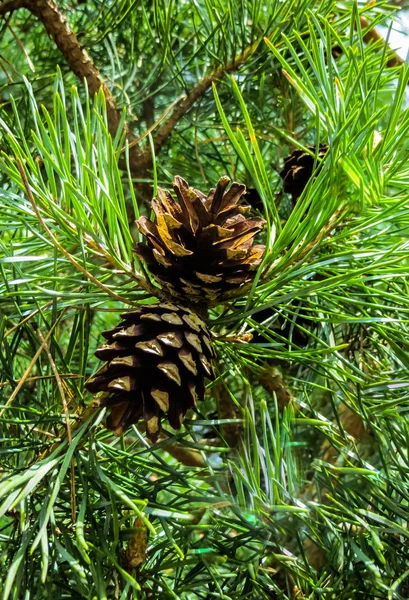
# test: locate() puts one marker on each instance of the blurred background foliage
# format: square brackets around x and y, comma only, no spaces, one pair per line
[291,480]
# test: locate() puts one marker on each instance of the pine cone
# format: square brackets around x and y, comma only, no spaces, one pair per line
[298,169]
[253,198]
[156,362]
[201,249]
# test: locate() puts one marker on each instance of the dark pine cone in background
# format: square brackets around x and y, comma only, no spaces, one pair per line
[298,169]
[201,250]
[286,329]
[156,362]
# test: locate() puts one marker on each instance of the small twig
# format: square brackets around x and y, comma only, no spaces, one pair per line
[60,386]
[28,371]
[157,123]
[42,432]
[321,235]
[7,74]
[190,457]
[30,316]
[145,159]
[43,377]
[21,45]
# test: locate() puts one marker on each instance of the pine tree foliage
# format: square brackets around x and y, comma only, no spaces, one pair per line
[290,479]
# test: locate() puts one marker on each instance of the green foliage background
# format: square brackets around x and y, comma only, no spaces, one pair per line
[313,501]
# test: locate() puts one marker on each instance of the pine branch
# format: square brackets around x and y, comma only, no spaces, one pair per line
[82,65]
[11,5]
[372,35]
[78,59]
[165,131]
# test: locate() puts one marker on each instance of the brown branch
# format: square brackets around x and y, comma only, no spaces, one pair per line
[78,59]
[190,457]
[83,67]
[274,384]
[134,553]
[144,160]
[11,5]
[372,35]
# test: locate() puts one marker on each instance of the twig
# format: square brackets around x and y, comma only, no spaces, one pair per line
[28,371]
[164,132]
[60,386]
[21,45]
[42,377]
[190,457]
[154,125]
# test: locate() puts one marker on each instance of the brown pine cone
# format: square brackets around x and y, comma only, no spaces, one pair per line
[156,361]
[298,169]
[201,249]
